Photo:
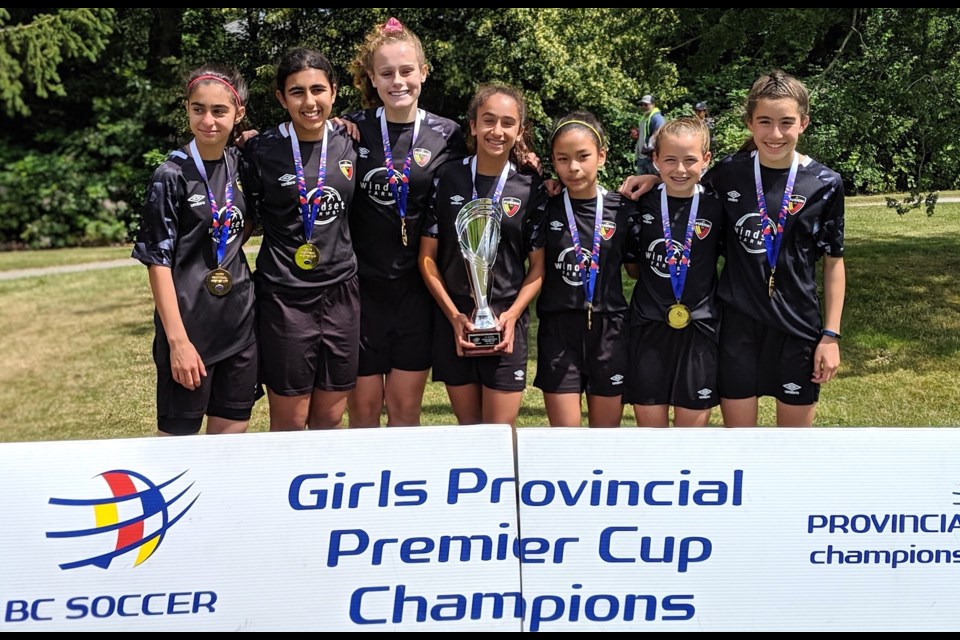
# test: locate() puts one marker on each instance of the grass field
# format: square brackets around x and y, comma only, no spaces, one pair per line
[75,357]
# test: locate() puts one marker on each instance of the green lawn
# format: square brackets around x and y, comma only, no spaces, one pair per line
[75,357]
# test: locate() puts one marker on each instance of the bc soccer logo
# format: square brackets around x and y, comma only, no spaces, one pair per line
[135,517]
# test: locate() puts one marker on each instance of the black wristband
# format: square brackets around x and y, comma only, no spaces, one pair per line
[830,334]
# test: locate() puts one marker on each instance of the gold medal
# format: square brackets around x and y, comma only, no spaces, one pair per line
[678,316]
[219,282]
[307,256]
[770,285]
[403,231]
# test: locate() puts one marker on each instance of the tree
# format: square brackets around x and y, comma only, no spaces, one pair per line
[31,52]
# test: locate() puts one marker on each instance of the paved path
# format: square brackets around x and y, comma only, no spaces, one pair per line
[16,274]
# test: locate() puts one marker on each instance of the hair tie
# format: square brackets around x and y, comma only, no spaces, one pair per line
[218,79]
[392,27]
[580,122]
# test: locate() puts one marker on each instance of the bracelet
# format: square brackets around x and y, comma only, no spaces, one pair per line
[830,334]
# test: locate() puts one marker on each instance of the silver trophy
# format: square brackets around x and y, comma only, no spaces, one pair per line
[478,229]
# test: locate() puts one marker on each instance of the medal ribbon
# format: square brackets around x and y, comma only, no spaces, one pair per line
[309,209]
[678,268]
[589,274]
[400,188]
[773,237]
[497,191]
[221,223]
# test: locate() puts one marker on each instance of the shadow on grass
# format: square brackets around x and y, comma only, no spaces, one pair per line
[136,329]
[902,305]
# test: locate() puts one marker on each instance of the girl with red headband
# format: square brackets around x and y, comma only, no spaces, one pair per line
[192,228]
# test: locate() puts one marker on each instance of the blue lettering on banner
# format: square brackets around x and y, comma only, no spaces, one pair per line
[692,549]
[884,523]
[109,606]
[357,543]
[681,492]
[318,491]
[369,606]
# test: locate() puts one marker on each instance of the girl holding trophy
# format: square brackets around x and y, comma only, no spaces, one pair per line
[480,259]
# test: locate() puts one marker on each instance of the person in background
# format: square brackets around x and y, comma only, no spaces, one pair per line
[701,111]
[193,225]
[650,121]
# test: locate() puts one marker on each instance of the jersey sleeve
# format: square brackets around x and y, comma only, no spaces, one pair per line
[830,236]
[252,179]
[533,225]
[430,228]
[157,237]
[631,245]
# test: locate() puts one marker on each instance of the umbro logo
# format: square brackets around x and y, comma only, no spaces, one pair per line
[648,218]
[364,153]
[196,200]
[733,196]
[556,225]
[705,394]
[518,374]
[792,388]
[616,379]
[457,200]
[287,180]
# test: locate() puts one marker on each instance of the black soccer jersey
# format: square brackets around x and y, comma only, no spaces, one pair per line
[522,201]
[375,218]
[276,196]
[176,231]
[653,293]
[814,227]
[563,288]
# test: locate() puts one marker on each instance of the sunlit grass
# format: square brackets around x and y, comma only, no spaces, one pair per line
[75,358]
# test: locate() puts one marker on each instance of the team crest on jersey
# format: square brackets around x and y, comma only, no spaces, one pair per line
[346,167]
[796,203]
[702,228]
[607,229]
[422,156]
[510,206]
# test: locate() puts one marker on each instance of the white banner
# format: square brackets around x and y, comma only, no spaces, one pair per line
[417,529]
[740,530]
[367,530]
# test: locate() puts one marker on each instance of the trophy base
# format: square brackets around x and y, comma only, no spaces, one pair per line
[483,341]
